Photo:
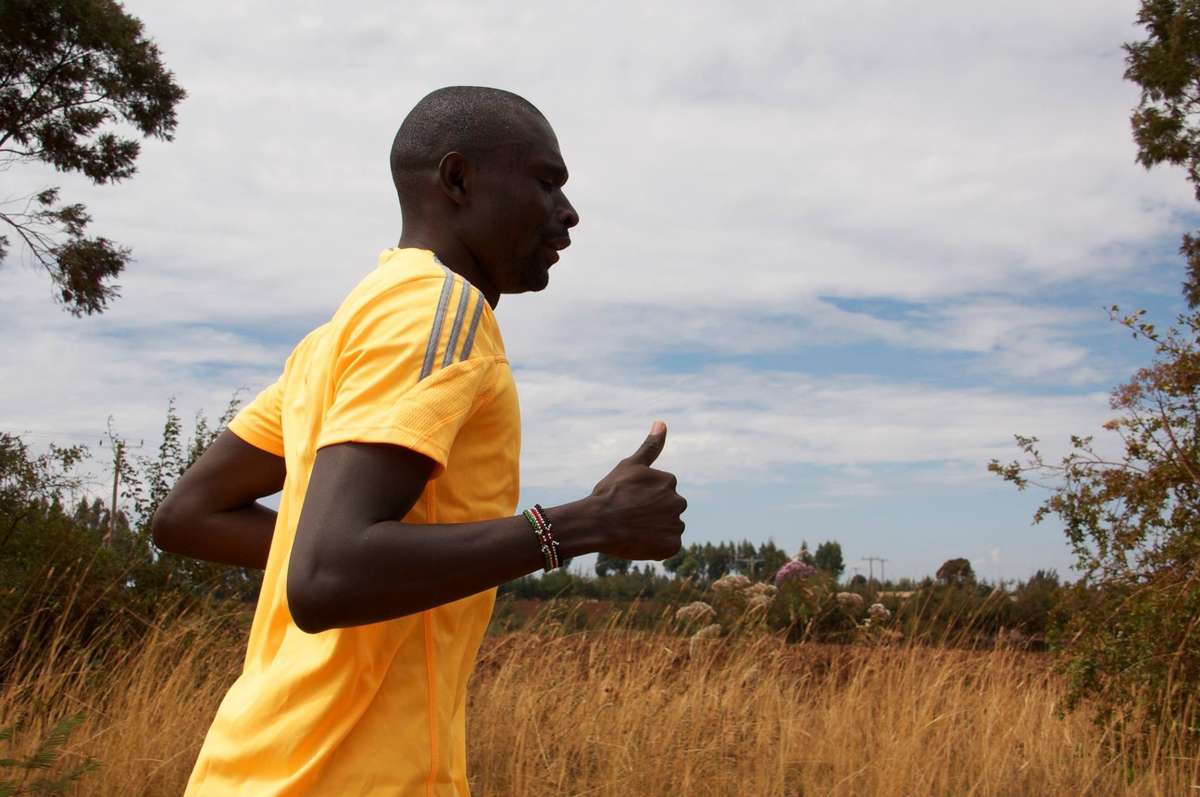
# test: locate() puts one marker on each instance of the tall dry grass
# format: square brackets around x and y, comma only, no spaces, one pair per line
[616,711]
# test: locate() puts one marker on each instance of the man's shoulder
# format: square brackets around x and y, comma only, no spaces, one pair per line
[412,298]
[402,276]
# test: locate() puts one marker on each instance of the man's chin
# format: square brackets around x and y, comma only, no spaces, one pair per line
[539,282]
[537,277]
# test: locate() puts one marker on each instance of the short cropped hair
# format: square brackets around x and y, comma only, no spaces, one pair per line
[467,119]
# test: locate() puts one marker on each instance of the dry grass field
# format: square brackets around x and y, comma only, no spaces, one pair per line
[614,711]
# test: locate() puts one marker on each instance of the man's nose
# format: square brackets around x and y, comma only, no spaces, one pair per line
[567,215]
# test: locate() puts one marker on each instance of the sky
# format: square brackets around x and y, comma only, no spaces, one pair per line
[845,251]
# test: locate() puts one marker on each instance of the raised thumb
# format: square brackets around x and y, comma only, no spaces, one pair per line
[652,446]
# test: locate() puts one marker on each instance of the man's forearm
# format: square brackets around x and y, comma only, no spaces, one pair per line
[393,569]
[212,512]
[239,537]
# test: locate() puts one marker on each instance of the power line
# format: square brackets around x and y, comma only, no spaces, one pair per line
[41,433]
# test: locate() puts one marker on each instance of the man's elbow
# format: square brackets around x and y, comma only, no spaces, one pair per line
[164,525]
[310,603]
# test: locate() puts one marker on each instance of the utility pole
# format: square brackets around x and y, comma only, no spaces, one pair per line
[754,562]
[118,452]
[871,560]
[118,446]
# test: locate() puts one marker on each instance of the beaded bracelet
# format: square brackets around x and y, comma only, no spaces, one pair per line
[549,545]
[545,534]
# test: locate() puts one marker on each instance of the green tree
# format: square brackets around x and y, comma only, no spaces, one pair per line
[147,488]
[718,560]
[829,558]
[29,483]
[50,566]
[956,573]
[72,72]
[606,565]
[1038,604]
[772,557]
[1166,66]
[672,564]
[1132,636]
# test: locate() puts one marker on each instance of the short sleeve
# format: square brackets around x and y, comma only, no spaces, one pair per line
[260,423]
[407,372]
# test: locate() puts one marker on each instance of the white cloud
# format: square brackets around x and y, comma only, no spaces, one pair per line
[770,157]
[738,172]
[729,424]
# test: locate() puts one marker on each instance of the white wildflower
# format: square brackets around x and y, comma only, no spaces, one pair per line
[730,583]
[760,603]
[761,588]
[701,637]
[850,601]
[695,613]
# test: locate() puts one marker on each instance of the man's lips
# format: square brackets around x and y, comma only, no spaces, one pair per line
[556,245]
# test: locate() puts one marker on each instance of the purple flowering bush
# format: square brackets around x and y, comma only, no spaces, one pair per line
[802,591]
[795,570]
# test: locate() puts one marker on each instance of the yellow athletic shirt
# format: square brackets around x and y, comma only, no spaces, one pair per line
[414,358]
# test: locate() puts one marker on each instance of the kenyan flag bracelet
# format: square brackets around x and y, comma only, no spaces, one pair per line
[545,534]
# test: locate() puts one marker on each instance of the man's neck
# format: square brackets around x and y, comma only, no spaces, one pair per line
[456,257]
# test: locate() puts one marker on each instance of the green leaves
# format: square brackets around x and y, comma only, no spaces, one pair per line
[44,758]
[1131,513]
[71,73]
[1132,516]
[1166,65]
[71,66]
[828,557]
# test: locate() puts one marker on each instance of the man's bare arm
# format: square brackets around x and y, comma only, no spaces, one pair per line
[354,563]
[213,513]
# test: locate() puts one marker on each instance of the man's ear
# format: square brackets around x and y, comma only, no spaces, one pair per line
[454,175]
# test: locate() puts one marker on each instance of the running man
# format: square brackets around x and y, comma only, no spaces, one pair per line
[394,434]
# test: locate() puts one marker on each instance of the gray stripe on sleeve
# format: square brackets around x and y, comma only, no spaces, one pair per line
[466,350]
[438,317]
[458,322]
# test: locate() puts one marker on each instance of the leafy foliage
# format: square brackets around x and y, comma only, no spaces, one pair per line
[1164,65]
[1132,516]
[1133,522]
[70,70]
[69,568]
[829,558]
[606,564]
[956,573]
[28,483]
[43,759]
[710,562]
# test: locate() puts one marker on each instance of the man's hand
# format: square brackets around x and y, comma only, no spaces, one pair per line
[354,562]
[639,505]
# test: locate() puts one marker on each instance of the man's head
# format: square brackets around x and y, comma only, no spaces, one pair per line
[483,165]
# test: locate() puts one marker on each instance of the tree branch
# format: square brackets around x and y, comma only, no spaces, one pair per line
[19,117]
[36,241]
[1175,443]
